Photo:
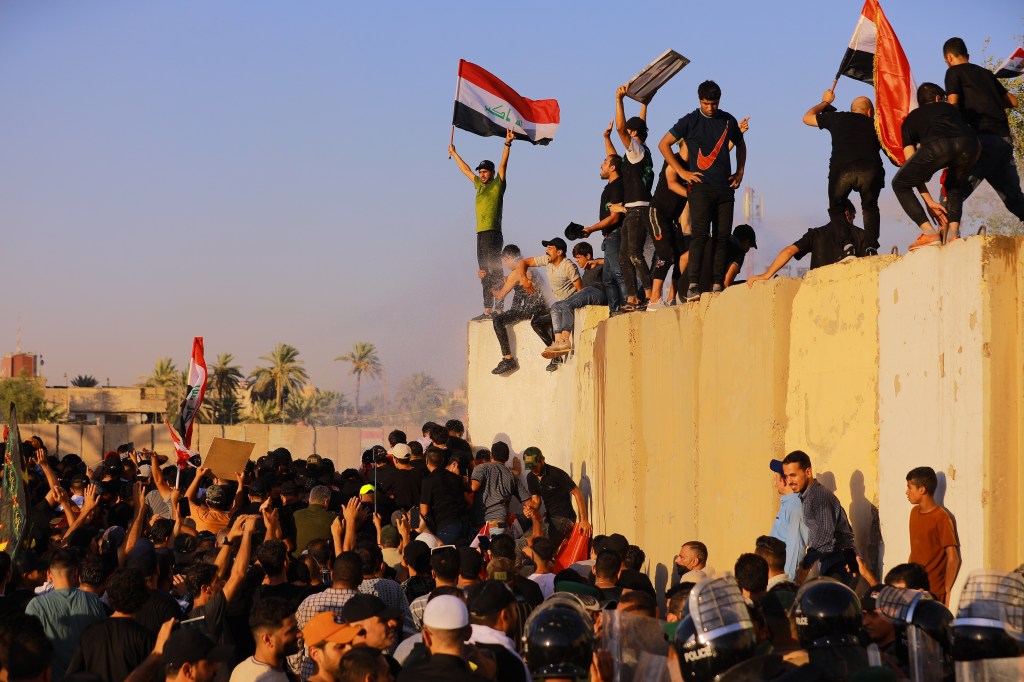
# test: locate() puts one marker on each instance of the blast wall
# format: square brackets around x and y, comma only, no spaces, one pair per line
[668,419]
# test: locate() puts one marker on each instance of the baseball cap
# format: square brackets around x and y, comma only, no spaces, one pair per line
[189,645]
[488,597]
[616,542]
[558,243]
[216,495]
[328,627]
[401,451]
[445,612]
[776,466]
[362,606]
[530,456]
[145,471]
[486,165]
[870,600]
[367,488]
[431,541]
[746,232]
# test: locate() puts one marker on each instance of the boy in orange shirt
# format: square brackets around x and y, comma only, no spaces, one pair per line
[933,540]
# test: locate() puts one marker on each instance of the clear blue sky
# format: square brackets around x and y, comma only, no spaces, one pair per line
[255,171]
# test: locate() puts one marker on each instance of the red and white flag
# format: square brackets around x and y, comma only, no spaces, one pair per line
[181,432]
[1013,66]
[486,106]
[875,56]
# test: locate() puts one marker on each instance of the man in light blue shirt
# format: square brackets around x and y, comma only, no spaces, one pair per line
[65,611]
[789,522]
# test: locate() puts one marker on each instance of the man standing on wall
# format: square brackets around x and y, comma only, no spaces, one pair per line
[637,180]
[609,224]
[489,197]
[983,101]
[707,132]
[855,165]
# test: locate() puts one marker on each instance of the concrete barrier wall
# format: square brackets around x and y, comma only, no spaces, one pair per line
[667,419]
[344,446]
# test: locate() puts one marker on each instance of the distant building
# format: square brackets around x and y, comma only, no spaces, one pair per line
[19,364]
[110,405]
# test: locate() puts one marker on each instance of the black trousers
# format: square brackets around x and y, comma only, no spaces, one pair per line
[664,232]
[634,231]
[868,182]
[957,155]
[710,203]
[996,166]
[540,320]
[488,257]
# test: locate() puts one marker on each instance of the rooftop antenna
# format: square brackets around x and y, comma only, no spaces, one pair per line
[18,351]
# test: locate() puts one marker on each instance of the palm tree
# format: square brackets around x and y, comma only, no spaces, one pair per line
[364,360]
[285,373]
[420,394]
[85,381]
[164,374]
[264,412]
[225,376]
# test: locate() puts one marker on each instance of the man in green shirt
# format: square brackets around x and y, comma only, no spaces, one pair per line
[489,196]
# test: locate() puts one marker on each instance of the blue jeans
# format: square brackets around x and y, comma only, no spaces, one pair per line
[563,312]
[452,533]
[614,283]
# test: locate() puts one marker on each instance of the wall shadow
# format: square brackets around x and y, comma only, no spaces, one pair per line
[867,528]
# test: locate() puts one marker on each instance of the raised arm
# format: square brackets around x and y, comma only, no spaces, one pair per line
[138,522]
[620,117]
[351,514]
[241,565]
[780,260]
[193,488]
[158,476]
[609,146]
[503,166]
[811,117]
[463,166]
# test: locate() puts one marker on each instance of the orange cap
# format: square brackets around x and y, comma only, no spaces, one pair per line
[328,627]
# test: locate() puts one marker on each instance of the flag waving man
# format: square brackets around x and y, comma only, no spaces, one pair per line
[486,106]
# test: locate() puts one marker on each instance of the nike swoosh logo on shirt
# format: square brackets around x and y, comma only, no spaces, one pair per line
[705,162]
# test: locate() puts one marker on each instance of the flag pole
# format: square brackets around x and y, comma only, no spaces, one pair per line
[458,88]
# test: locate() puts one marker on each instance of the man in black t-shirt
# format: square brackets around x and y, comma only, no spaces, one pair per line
[855,165]
[983,101]
[637,180]
[608,223]
[707,132]
[825,244]
[443,499]
[563,313]
[556,489]
[934,137]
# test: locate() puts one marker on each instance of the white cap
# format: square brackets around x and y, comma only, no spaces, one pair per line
[445,612]
[429,540]
[400,451]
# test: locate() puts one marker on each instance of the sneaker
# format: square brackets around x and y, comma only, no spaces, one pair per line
[482,316]
[925,239]
[692,293]
[656,305]
[871,251]
[952,236]
[556,349]
[848,253]
[553,365]
[717,288]
[505,366]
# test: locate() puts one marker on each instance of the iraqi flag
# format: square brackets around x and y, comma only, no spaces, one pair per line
[1013,66]
[486,106]
[181,431]
[875,56]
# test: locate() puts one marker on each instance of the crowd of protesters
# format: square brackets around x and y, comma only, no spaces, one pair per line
[961,130]
[437,560]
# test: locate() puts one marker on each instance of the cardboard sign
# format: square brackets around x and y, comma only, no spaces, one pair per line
[227,456]
[656,74]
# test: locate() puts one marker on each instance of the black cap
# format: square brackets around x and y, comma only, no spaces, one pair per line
[189,645]
[558,243]
[616,542]
[362,606]
[746,232]
[486,165]
[575,231]
[488,598]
